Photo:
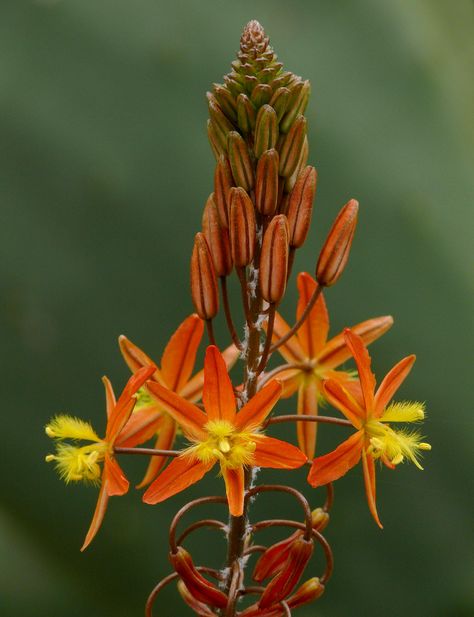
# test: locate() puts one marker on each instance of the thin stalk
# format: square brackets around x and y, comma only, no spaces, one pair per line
[300,321]
[268,339]
[244,293]
[302,418]
[146,451]
[210,331]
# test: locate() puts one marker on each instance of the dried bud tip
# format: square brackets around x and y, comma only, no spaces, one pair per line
[335,252]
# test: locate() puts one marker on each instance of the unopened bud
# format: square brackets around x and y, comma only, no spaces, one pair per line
[216,147]
[296,105]
[266,183]
[335,252]
[217,239]
[309,591]
[241,227]
[272,560]
[274,260]
[203,280]
[291,180]
[319,519]
[234,86]
[223,182]
[222,126]
[279,101]
[226,102]
[261,95]
[246,114]
[291,146]
[240,162]
[289,575]
[266,130]
[199,588]
[300,206]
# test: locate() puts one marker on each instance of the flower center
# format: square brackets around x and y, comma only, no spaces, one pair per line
[394,445]
[79,464]
[232,448]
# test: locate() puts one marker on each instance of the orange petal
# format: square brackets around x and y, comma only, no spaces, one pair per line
[180,473]
[117,483]
[109,396]
[342,399]
[314,332]
[190,417]
[179,356]
[337,463]
[368,467]
[336,352]
[141,427]
[277,454]
[307,406]
[362,359]
[136,358]
[392,381]
[290,380]
[291,350]
[121,412]
[257,409]
[164,441]
[218,394]
[99,514]
[235,490]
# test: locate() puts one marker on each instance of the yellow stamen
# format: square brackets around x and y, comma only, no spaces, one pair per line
[68,427]
[404,412]
[232,448]
[76,464]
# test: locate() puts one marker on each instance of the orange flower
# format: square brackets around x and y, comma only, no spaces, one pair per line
[177,363]
[221,435]
[316,357]
[82,463]
[371,417]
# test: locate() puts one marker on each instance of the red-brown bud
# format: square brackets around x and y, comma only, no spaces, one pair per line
[300,206]
[240,162]
[266,130]
[199,608]
[203,280]
[279,101]
[274,260]
[291,147]
[226,102]
[272,560]
[246,115]
[241,227]
[289,575]
[216,147]
[335,252]
[223,182]
[217,239]
[266,183]
[309,591]
[222,126]
[200,588]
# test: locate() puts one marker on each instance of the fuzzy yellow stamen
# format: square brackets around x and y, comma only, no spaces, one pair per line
[76,464]
[404,412]
[232,448]
[68,427]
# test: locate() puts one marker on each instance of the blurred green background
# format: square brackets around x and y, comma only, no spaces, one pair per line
[104,170]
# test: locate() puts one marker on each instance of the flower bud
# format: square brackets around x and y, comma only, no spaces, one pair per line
[223,182]
[240,162]
[266,183]
[319,519]
[200,588]
[300,206]
[233,85]
[296,105]
[291,180]
[274,260]
[199,608]
[226,102]
[266,130]
[291,146]
[245,114]
[279,101]
[203,280]
[272,560]
[309,591]
[289,575]
[335,252]
[222,126]
[261,94]
[241,227]
[217,238]
[217,149]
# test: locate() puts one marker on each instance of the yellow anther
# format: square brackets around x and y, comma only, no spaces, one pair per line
[224,446]
[424,446]
[49,431]
[377,444]
[49,458]
[396,460]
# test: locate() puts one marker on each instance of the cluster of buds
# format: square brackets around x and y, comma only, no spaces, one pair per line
[258,215]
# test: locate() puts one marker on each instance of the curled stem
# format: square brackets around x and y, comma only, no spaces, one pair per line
[179,515]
